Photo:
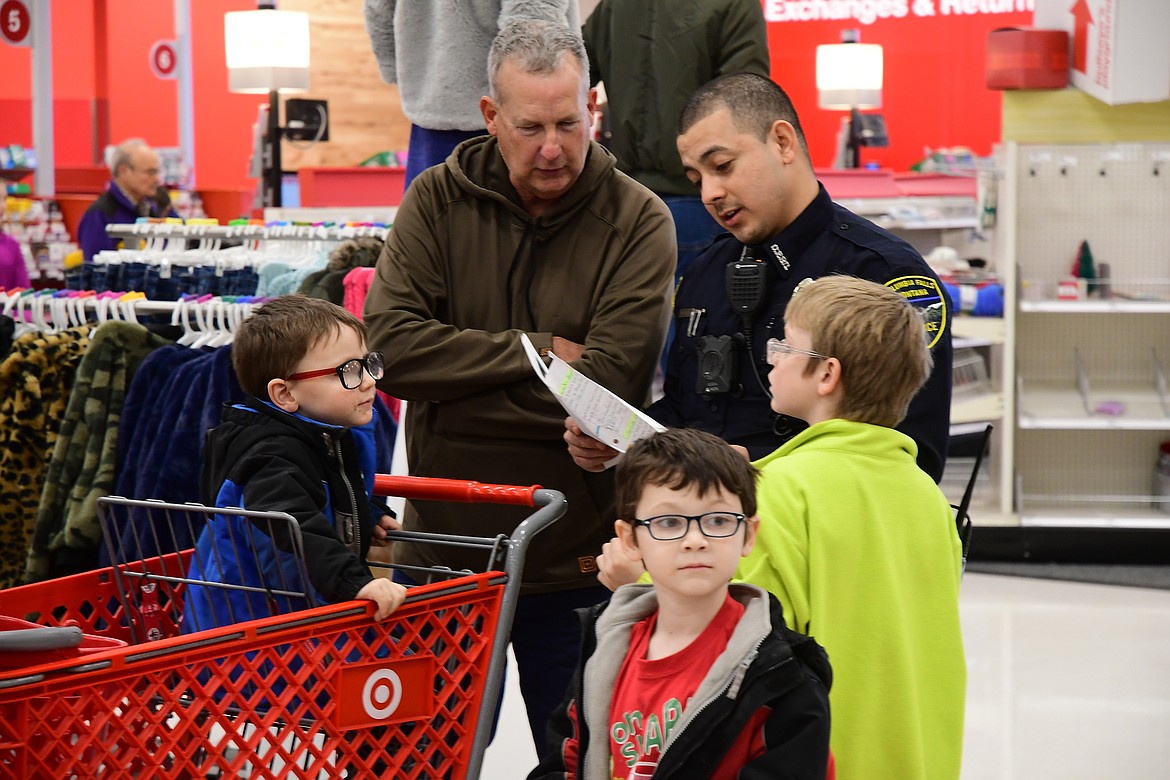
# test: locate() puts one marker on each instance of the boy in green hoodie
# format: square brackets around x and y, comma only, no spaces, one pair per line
[856,541]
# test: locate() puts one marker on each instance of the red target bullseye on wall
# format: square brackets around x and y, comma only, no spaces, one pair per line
[163,59]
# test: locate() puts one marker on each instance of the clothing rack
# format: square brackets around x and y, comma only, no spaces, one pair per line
[164,259]
[206,320]
[147,230]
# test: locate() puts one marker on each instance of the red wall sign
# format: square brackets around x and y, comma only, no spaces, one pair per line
[935,51]
[163,59]
[15,22]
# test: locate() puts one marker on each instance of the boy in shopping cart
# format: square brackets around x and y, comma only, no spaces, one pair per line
[303,444]
[690,676]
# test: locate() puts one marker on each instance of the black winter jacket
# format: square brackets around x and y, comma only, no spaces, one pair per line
[264,459]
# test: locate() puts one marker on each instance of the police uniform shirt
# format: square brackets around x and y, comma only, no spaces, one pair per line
[825,239]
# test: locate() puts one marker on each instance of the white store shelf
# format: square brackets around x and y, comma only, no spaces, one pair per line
[977,331]
[976,408]
[990,517]
[1095,510]
[958,223]
[1070,462]
[1055,406]
[1095,515]
[1112,306]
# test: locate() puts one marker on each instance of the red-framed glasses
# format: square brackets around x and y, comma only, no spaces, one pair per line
[350,372]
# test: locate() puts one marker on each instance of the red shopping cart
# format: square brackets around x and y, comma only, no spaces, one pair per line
[314,693]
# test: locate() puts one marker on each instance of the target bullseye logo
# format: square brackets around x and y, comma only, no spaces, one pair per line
[163,60]
[373,694]
[382,693]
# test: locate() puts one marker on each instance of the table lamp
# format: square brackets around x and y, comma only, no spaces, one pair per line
[849,77]
[268,51]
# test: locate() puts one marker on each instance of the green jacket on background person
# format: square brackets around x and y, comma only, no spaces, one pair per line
[652,55]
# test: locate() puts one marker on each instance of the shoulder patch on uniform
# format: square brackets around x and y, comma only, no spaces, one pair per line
[925,293]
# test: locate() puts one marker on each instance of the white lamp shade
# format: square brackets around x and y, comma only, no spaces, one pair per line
[266,50]
[849,75]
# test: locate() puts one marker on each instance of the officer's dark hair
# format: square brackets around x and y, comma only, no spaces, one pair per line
[755,103]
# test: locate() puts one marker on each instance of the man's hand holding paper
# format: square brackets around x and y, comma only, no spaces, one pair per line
[586,451]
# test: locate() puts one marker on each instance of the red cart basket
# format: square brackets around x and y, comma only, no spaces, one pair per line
[320,692]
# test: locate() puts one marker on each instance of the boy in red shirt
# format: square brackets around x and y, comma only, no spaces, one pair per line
[690,677]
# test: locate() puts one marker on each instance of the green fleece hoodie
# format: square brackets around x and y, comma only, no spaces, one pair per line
[464,273]
[859,545]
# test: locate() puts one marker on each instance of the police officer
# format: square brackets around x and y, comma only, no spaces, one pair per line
[742,145]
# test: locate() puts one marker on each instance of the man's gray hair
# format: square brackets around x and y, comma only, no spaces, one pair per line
[119,155]
[535,46]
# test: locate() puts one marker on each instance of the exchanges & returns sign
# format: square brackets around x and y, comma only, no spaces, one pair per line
[870,11]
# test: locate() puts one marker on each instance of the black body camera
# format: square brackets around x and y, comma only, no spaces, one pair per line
[717,364]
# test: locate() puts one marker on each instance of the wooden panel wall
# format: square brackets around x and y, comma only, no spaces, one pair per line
[365,114]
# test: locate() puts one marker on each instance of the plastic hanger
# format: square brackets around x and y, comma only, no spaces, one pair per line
[127,305]
[203,320]
[182,317]
[38,310]
[21,303]
[102,306]
[55,321]
[10,299]
[68,309]
[216,327]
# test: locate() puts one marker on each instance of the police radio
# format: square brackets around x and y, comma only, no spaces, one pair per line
[745,279]
[745,287]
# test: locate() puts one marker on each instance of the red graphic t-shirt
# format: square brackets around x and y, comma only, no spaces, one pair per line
[650,696]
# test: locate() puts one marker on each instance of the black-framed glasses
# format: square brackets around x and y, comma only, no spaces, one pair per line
[777,347]
[713,525]
[350,372]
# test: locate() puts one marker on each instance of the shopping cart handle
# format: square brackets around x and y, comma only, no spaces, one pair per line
[40,638]
[467,491]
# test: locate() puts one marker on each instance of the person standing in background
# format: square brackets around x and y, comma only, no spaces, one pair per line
[652,55]
[134,191]
[13,269]
[436,52]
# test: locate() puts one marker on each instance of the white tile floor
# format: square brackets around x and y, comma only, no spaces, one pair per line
[1065,680]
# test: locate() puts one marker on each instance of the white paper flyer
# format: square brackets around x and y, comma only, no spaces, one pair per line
[597,411]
